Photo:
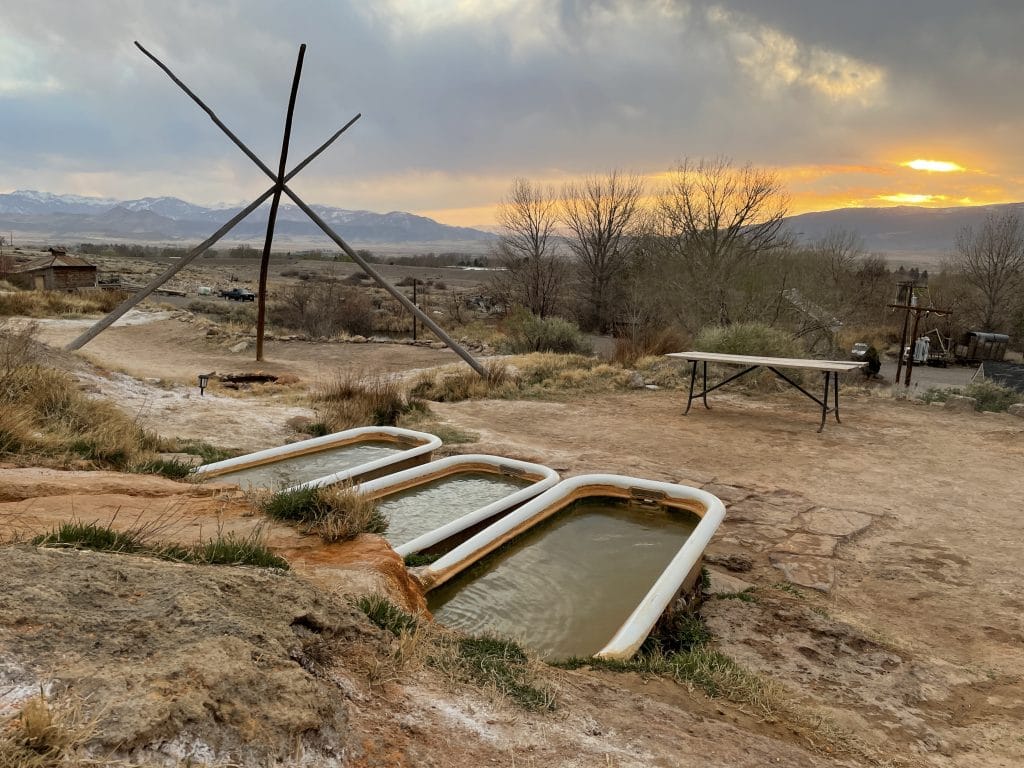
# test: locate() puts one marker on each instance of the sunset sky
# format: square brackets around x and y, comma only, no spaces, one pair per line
[865,103]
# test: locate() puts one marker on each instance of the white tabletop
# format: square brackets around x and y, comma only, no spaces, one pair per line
[777,362]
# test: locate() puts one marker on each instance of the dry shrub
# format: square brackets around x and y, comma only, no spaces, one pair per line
[324,309]
[354,400]
[454,384]
[346,514]
[52,303]
[335,513]
[660,341]
[42,411]
[44,735]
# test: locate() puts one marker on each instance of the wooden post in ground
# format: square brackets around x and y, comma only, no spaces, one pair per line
[261,296]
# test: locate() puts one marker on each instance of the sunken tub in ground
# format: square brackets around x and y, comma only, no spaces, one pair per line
[432,507]
[585,569]
[352,455]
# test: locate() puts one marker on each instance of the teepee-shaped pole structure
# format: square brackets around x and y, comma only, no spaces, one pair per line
[280,186]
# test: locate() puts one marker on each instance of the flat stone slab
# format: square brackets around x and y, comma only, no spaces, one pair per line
[805,571]
[834,522]
[727,493]
[723,584]
[817,545]
[762,513]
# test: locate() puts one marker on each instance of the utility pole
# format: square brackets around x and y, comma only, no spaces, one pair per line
[911,307]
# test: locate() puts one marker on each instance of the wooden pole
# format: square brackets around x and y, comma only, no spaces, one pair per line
[913,345]
[377,277]
[383,283]
[261,297]
[172,270]
[414,302]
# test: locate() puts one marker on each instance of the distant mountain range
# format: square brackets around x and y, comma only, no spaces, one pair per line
[903,230]
[168,218]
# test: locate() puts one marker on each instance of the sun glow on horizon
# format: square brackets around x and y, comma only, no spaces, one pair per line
[936,166]
[908,198]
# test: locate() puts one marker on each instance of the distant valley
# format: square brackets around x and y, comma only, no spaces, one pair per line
[905,234]
[168,219]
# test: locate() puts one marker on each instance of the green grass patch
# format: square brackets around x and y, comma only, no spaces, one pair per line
[224,549]
[746,596]
[175,469]
[386,614]
[335,512]
[232,549]
[989,395]
[503,665]
[207,452]
[417,559]
[489,663]
[92,536]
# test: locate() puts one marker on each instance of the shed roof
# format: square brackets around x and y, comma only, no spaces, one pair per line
[54,260]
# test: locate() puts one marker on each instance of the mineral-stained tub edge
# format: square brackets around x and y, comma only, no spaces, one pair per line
[543,478]
[423,444]
[632,633]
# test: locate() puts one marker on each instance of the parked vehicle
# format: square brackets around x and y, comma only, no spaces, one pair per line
[239,294]
[859,351]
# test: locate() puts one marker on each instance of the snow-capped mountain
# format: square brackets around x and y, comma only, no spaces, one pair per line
[170,218]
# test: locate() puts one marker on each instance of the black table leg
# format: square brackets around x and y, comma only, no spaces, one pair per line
[836,396]
[693,378]
[824,401]
[704,394]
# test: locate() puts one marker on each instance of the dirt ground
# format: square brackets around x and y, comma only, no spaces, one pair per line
[884,555]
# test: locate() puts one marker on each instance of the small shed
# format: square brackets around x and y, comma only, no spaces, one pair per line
[56,271]
[976,346]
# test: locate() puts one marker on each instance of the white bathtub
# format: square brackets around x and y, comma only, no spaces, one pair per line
[681,572]
[542,479]
[421,446]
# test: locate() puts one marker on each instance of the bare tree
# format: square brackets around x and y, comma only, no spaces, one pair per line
[992,260]
[534,273]
[603,217]
[717,219]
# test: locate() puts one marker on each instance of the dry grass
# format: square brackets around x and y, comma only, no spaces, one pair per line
[352,399]
[335,513]
[59,303]
[346,514]
[456,383]
[46,734]
[43,413]
[650,343]
[499,668]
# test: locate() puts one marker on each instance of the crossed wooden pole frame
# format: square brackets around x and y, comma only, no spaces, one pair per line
[279,187]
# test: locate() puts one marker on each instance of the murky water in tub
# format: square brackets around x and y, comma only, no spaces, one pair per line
[566,586]
[421,509]
[301,469]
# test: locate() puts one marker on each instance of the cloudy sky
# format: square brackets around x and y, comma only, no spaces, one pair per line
[459,97]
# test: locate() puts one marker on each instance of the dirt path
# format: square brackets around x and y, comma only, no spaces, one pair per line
[171,349]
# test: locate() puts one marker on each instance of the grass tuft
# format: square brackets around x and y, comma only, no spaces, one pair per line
[92,536]
[223,549]
[386,614]
[354,400]
[175,469]
[232,549]
[416,559]
[335,513]
[498,666]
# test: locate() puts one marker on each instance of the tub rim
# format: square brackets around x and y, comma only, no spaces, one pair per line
[638,625]
[407,478]
[423,443]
